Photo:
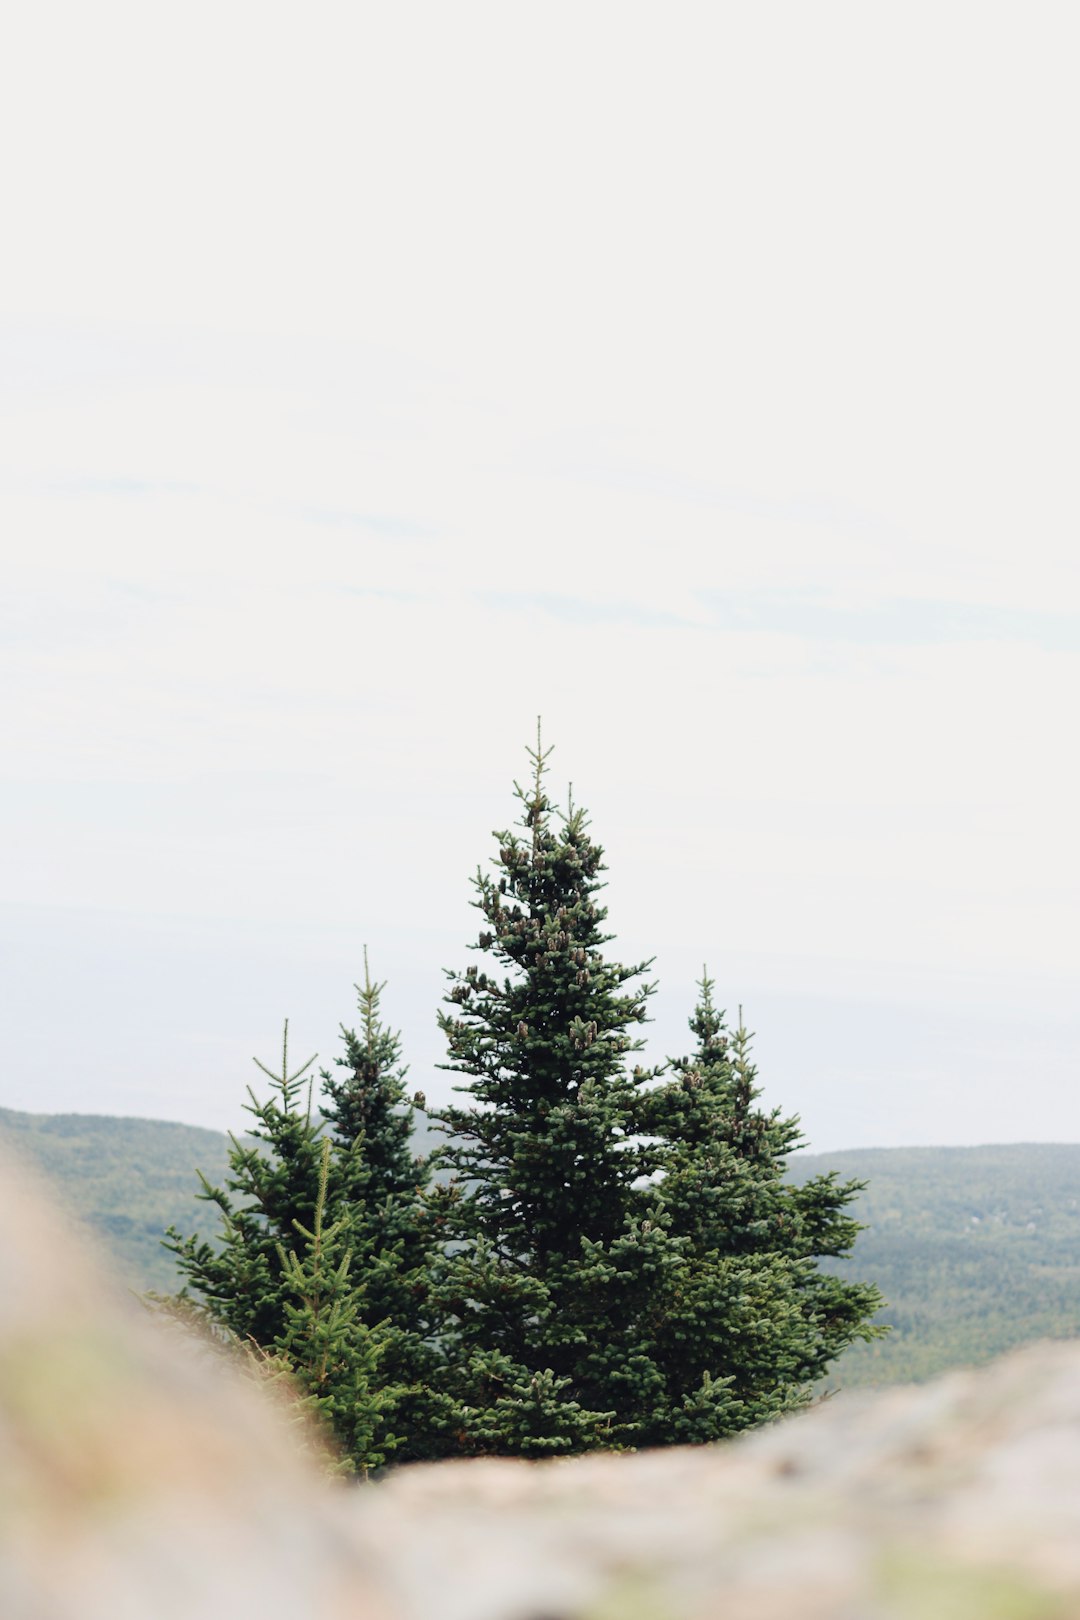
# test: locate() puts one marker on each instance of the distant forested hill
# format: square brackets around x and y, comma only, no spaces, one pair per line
[976,1249]
[126,1178]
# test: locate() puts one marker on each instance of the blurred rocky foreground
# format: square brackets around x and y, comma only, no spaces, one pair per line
[141,1479]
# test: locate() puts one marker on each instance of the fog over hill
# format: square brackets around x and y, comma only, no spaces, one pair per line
[976,1249]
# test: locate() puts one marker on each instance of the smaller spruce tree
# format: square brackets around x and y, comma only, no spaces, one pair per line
[755,1310]
[348,1172]
[381,1181]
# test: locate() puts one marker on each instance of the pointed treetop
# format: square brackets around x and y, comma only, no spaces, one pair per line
[539,755]
[535,800]
[286,1082]
[285,1078]
[707,1022]
[369,993]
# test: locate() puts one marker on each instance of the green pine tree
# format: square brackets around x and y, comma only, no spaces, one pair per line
[301,1310]
[548,1266]
[371,1200]
[754,1311]
[381,1181]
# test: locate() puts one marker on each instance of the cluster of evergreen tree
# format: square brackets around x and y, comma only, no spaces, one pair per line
[602,1255]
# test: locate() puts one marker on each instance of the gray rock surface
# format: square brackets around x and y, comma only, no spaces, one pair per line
[957,1499]
[142,1479]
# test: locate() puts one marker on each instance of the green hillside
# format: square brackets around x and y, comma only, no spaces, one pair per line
[127,1179]
[976,1249]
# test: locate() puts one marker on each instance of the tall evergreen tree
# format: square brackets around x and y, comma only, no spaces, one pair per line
[548,1259]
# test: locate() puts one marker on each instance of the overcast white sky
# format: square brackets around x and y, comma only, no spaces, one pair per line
[704,377]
